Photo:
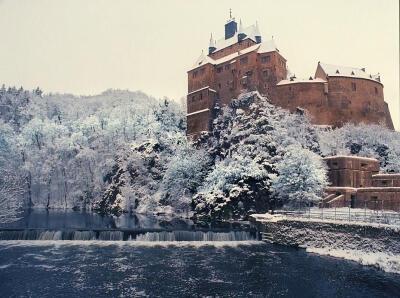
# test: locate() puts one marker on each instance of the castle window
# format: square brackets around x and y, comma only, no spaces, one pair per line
[353,86]
[376,90]
[244,60]
[219,85]
[265,73]
[227,67]
[202,71]
[219,69]
[201,95]
[194,75]
[193,98]
[266,59]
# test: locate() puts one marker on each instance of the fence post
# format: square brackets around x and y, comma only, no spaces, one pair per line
[322,212]
[335,210]
[365,211]
[349,214]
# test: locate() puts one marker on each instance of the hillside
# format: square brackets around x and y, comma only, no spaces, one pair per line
[123,151]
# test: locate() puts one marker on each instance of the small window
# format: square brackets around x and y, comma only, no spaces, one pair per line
[335,163]
[193,98]
[219,85]
[375,199]
[376,90]
[201,95]
[219,69]
[353,86]
[194,75]
[244,60]
[227,67]
[202,71]
[265,73]
[384,182]
[363,164]
[266,59]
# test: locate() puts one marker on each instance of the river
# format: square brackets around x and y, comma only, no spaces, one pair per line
[197,260]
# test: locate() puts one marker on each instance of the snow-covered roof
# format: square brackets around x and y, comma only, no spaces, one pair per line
[296,80]
[268,46]
[387,176]
[351,156]
[203,60]
[264,47]
[344,71]
[250,32]
[198,112]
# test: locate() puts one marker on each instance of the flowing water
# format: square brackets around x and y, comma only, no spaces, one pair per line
[155,257]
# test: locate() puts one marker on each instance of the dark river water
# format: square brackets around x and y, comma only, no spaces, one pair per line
[129,257]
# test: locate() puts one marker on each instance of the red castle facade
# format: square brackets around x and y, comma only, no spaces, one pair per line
[241,61]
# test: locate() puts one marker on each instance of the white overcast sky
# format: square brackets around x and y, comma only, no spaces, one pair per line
[87,46]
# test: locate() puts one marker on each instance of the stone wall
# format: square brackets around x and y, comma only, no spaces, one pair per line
[303,233]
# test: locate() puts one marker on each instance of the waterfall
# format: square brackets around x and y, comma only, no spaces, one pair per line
[195,236]
[150,236]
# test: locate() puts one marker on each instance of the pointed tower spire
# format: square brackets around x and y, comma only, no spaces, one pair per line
[211,47]
[257,34]
[241,34]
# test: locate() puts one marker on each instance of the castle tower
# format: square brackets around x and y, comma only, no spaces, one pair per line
[211,47]
[230,26]
[241,34]
[257,34]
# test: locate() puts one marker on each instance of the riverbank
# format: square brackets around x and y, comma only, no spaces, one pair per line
[371,244]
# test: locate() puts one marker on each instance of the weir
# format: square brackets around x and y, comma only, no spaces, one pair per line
[127,235]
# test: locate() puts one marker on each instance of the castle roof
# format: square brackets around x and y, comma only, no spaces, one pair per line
[250,32]
[344,71]
[264,47]
[296,80]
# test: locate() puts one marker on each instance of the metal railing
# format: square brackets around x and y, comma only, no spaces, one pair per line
[345,214]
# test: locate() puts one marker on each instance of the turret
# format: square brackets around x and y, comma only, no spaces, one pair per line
[241,34]
[211,47]
[257,34]
[230,28]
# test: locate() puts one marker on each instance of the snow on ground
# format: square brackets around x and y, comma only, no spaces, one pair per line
[338,238]
[383,260]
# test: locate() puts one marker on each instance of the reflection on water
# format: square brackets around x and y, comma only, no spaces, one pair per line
[58,219]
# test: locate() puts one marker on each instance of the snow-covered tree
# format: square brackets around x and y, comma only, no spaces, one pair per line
[373,141]
[301,177]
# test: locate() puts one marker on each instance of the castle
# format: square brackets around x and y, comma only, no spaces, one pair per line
[241,61]
[355,182]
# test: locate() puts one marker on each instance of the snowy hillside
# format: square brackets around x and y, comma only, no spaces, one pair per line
[125,151]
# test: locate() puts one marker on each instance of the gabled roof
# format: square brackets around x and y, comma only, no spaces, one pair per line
[264,47]
[344,71]
[250,32]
